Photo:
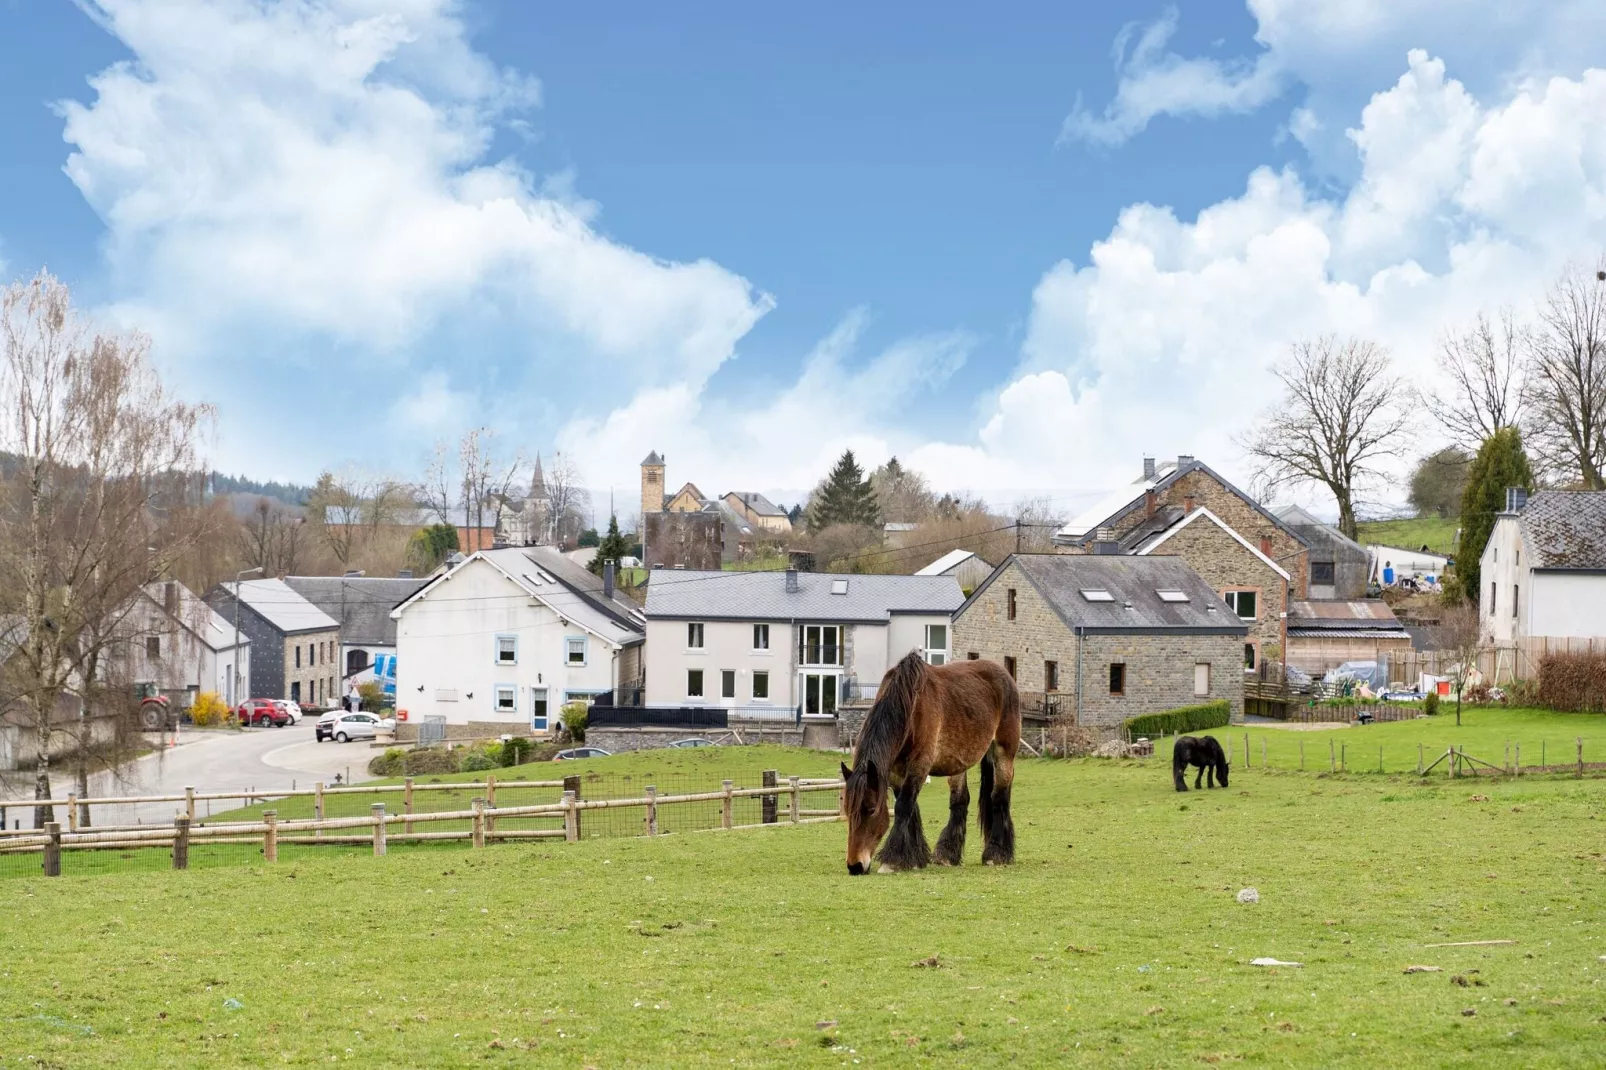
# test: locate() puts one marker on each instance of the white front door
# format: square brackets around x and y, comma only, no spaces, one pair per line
[819,691]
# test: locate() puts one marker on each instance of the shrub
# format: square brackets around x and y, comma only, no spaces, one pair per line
[574,720]
[1430,704]
[1523,693]
[516,751]
[372,695]
[209,710]
[1180,721]
[1573,682]
[477,761]
[430,760]
[392,763]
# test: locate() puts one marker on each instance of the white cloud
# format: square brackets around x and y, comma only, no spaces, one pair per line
[1160,342]
[319,166]
[432,407]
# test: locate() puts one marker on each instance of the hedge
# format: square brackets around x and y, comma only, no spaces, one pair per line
[1180,721]
[1575,683]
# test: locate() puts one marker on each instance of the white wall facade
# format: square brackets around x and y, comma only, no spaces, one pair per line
[182,665]
[447,654]
[1538,605]
[1570,605]
[1504,584]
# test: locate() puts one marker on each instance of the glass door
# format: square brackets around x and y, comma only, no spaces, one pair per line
[819,692]
[538,720]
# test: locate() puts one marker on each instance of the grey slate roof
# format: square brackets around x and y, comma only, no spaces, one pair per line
[758,504]
[653,458]
[1133,583]
[579,580]
[1120,501]
[283,608]
[1565,529]
[361,604]
[677,594]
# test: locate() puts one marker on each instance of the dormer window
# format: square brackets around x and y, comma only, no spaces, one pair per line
[1097,595]
[1172,596]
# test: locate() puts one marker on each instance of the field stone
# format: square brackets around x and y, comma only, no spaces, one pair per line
[1248,895]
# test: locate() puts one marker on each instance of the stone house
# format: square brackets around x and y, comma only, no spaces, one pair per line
[1107,636]
[1252,584]
[1164,495]
[361,605]
[1339,566]
[689,530]
[295,645]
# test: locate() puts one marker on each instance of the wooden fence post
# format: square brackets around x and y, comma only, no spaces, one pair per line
[407,802]
[572,783]
[571,816]
[769,802]
[1246,750]
[478,838]
[270,838]
[379,828]
[1519,758]
[317,805]
[189,804]
[72,811]
[53,849]
[725,805]
[1302,756]
[652,810]
[796,802]
[490,802]
[1419,759]
[1343,756]
[1580,756]
[181,842]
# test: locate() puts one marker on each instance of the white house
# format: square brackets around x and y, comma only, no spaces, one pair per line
[181,646]
[503,638]
[1544,568]
[1391,564]
[772,644]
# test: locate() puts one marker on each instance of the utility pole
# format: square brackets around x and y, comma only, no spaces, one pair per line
[1017,534]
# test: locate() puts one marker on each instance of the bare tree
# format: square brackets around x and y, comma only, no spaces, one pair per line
[97,441]
[271,538]
[1567,379]
[350,511]
[441,486]
[1460,633]
[1483,368]
[1341,414]
[567,500]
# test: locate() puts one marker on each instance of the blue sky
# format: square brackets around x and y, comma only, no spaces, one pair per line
[1017,249]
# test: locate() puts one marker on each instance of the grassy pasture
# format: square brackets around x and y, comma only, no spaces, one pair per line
[1116,938]
[1436,533]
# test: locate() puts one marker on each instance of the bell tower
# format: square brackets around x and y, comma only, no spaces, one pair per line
[652,486]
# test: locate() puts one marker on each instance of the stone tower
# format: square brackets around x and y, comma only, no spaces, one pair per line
[652,486]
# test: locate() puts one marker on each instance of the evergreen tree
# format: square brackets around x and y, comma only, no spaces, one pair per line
[1500,463]
[611,547]
[846,498]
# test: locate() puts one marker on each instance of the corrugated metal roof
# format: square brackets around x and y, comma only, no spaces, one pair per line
[1133,583]
[763,596]
[1565,529]
[1360,613]
[1392,634]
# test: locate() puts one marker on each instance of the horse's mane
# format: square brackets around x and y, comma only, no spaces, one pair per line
[888,720]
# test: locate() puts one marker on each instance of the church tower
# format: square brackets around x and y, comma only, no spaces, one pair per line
[652,486]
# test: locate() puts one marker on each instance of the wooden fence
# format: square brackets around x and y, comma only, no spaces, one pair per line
[374,828]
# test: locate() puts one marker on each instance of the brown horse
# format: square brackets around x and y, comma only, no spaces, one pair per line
[933,720]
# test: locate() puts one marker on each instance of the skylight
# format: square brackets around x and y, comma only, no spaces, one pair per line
[1098,595]
[839,586]
[1172,596]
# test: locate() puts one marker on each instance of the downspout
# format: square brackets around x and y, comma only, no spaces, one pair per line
[1078,676]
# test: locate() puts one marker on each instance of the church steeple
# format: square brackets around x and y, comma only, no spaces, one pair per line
[538,480]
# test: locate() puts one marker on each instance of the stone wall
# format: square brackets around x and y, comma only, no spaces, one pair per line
[1227,565]
[1159,667]
[621,740]
[319,671]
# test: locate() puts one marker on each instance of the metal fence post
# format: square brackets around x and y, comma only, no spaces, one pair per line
[652,810]
[725,805]
[270,838]
[379,828]
[770,804]
[478,837]
[795,803]
[181,842]
[571,817]
[53,849]
[1580,756]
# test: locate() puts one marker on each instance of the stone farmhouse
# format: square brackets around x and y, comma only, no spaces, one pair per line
[295,645]
[1106,637]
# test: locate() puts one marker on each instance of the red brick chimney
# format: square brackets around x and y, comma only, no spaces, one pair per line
[1187,503]
[1151,502]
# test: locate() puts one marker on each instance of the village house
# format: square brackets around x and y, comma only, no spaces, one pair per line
[1339,566]
[962,565]
[690,530]
[180,646]
[501,639]
[1102,638]
[296,644]
[1253,585]
[1544,572]
[361,605]
[1163,496]
[769,645]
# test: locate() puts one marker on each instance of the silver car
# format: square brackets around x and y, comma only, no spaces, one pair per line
[349,726]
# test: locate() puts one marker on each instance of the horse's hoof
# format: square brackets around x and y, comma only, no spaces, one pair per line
[886,869]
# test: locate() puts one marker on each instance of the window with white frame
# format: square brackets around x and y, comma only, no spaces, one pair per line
[694,683]
[761,637]
[574,650]
[694,636]
[936,652]
[821,644]
[507,698]
[1243,603]
[507,650]
[761,685]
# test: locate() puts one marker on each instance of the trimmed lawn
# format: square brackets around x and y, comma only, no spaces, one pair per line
[1436,533]
[1115,939]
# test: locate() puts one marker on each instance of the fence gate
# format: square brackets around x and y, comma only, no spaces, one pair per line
[432,730]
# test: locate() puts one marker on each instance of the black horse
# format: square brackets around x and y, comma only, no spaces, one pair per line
[1203,753]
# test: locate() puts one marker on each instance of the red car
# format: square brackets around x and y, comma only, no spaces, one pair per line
[259,711]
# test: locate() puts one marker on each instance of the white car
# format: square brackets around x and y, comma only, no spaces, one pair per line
[349,726]
[292,708]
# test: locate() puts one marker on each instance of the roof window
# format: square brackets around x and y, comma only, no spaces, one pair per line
[1172,596]
[839,586]
[1098,595]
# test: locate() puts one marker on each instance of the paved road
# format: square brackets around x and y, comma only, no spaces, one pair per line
[257,758]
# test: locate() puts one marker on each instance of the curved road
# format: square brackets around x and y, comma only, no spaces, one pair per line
[263,759]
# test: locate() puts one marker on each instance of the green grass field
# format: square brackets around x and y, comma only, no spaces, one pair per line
[1437,534]
[1115,939]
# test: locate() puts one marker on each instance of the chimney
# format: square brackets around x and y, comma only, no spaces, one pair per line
[1265,545]
[607,579]
[170,598]
[1516,499]
[1151,500]
[791,581]
[1148,468]
[1183,460]
[1187,503]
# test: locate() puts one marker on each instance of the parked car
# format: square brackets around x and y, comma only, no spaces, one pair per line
[290,707]
[262,711]
[349,726]
[1401,694]
[325,728]
[694,741]
[581,752]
